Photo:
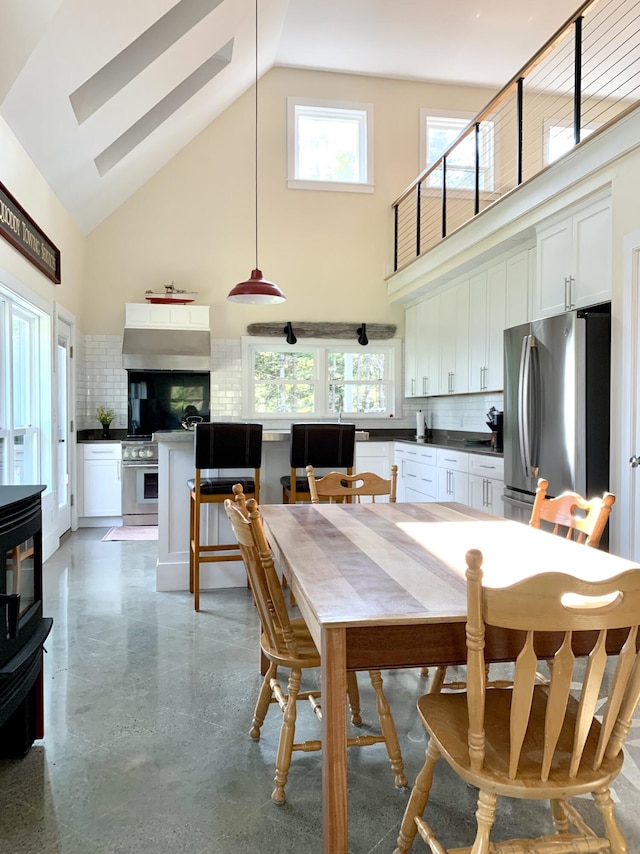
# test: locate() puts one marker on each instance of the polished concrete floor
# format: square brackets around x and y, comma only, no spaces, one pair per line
[148,706]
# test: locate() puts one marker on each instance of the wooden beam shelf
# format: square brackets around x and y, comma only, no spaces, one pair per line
[303,329]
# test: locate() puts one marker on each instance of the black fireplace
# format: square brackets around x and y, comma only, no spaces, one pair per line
[23,629]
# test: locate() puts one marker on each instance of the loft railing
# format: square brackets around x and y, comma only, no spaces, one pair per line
[583,79]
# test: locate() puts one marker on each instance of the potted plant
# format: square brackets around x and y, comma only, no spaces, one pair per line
[105,416]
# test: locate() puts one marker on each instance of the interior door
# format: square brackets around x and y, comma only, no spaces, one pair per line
[64,425]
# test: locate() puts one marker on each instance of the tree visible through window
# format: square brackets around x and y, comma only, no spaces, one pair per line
[320,380]
[441,132]
[329,144]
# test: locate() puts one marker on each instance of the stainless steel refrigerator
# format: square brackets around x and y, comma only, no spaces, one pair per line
[556,407]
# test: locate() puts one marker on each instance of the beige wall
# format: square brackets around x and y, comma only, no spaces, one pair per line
[27,185]
[193,223]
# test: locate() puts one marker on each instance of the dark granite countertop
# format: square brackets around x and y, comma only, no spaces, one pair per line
[472,443]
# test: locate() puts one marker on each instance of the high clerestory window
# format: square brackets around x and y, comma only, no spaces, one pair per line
[438,132]
[330,145]
[319,379]
[559,137]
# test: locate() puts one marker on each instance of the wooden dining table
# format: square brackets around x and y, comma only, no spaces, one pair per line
[383,586]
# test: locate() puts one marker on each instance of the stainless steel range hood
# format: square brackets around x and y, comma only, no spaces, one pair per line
[166,349]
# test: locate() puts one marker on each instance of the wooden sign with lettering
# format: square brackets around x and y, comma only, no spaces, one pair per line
[21,231]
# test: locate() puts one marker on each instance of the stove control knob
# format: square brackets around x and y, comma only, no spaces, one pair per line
[134,454]
[148,453]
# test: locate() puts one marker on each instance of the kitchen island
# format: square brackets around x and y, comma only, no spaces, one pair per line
[374,452]
[175,467]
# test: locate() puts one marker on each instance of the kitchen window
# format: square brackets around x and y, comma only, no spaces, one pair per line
[320,379]
[330,145]
[438,132]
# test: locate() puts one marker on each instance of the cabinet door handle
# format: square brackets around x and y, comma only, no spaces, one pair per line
[567,296]
[572,292]
[425,384]
[413,386]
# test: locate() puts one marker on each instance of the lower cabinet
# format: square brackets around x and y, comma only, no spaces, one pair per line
[486,481]
[374,457]
[453,477]
[428,473]
[101,479]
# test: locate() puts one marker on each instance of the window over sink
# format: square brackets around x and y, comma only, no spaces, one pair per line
[320,379]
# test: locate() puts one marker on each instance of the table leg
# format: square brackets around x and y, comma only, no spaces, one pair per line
[334,742]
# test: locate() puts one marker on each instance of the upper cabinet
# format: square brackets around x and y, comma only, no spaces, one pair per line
[487,312]
[422,348]
[574,259]
[454,339]
[144,315]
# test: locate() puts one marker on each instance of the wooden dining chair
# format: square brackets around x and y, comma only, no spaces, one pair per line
[572,515]
[339,488]
[532,741]
[569,515]
[286,643]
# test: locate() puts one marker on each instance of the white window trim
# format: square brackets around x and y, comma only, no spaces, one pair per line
[249,343]
[294,183]
[457,192]
[17,295]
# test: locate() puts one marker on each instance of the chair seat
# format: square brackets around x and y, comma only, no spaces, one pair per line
[445,716]
[222,485]
[308,655]
[302,484]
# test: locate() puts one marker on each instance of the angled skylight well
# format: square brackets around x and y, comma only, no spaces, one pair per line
[165,108]
[112,77]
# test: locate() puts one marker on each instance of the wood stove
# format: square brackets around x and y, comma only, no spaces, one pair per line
[23,629]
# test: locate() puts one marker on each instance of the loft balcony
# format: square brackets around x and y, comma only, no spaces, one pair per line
[571,109]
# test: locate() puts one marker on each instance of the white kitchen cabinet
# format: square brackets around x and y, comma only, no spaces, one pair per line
[144,315]
[428,359]
[486,482]
[374,457]
[411,351]
[417,479]
[422,349]
[487,301]
[399,456]
[574,260]
[519,270]
[101,479]
[453,475]
[454,339]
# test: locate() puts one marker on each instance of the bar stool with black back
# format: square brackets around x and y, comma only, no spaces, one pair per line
[324,446]
[287,645]
[219,445]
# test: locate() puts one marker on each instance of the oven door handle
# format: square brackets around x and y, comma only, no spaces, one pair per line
[150,465]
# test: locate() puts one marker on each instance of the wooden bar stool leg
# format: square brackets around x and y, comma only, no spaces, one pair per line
[196,556]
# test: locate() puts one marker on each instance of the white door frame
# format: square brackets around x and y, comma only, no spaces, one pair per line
[65,519]
[625,511]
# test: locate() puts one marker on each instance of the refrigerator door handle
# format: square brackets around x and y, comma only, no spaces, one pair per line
[524,379]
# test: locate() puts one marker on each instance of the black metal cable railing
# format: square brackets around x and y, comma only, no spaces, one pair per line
[585,77]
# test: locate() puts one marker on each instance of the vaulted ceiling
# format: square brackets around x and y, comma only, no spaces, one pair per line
[102,94]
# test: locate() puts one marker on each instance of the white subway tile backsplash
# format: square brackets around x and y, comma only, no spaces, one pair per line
[102,381]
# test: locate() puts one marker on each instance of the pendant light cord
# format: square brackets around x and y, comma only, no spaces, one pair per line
[256,128]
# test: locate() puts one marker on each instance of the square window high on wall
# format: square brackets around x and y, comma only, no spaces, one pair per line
[439,131]
[330,145]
